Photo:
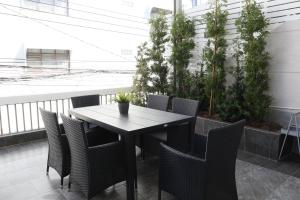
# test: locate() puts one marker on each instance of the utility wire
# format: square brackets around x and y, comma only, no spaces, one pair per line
[72,61]
[78,18]
[24,59]
[74,25]
[84,11]
[106,10]
[69,35]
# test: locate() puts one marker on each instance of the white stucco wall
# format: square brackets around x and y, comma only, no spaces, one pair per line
[284,47]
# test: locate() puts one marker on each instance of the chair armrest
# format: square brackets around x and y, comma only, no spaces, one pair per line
[199,143]
[181,173]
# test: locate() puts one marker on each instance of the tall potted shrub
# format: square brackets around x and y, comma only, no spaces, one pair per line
[182,41]
[196,89]
[233,107]
[142,76]
[214,54]
[252,27]
[158,64]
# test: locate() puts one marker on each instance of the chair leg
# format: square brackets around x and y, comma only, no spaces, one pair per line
[142,147]
[143,154]
[47,170]
[135,179]
[159,194]
[69,185]
[61,182]
[135,183]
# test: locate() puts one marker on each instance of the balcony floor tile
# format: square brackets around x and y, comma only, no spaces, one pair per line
[23,176]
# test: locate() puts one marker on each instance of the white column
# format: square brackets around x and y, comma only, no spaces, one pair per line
[177,6]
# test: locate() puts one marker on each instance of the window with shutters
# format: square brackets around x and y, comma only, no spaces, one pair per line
[48,58]
[52,6]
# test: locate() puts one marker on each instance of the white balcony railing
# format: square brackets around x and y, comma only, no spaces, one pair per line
[21,114]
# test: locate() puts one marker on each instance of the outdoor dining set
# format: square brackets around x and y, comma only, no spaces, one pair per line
[96,147]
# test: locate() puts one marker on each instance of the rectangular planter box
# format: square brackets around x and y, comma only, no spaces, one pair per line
[262,142]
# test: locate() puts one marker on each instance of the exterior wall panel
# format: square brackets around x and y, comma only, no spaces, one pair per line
[283,45]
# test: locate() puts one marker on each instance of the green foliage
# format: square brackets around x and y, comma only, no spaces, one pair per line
[252,26]
[214,54]
[196,81]
[123,97]
[142,76]
[182,40]
[233,109]
[158,65]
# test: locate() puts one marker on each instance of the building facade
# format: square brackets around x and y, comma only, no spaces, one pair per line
[91,34]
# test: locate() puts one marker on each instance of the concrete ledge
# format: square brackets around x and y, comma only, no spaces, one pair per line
[22,138]
[262,142]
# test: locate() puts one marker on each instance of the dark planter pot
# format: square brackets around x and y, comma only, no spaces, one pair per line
[262,142]
[123,108]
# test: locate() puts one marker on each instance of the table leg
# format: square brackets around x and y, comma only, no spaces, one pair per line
[192,131]
[129,141]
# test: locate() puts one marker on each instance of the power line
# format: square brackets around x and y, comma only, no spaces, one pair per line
[84,11]
[69,35]
[78,18]
[106,10]
[71,61]
[74,25]
[13,58]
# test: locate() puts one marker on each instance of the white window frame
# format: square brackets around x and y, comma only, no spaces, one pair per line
[53,7]
[42,58]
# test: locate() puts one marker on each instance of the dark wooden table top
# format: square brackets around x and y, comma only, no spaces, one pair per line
[138,119]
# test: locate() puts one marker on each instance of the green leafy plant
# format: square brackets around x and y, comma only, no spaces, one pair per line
[233,108]
[182,41]
[123,97]
[252,26]
[214,54]
[158,64]
[196,87]
[142,76]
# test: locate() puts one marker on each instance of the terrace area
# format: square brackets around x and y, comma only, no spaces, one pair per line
[23,176]
[142,100]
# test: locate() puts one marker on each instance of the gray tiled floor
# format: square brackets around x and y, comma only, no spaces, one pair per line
[22,176]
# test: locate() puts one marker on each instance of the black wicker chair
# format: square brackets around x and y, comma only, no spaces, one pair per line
[93,168]
[194,177]
[58,153]
[158,102]
[84,101]
[178,137]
